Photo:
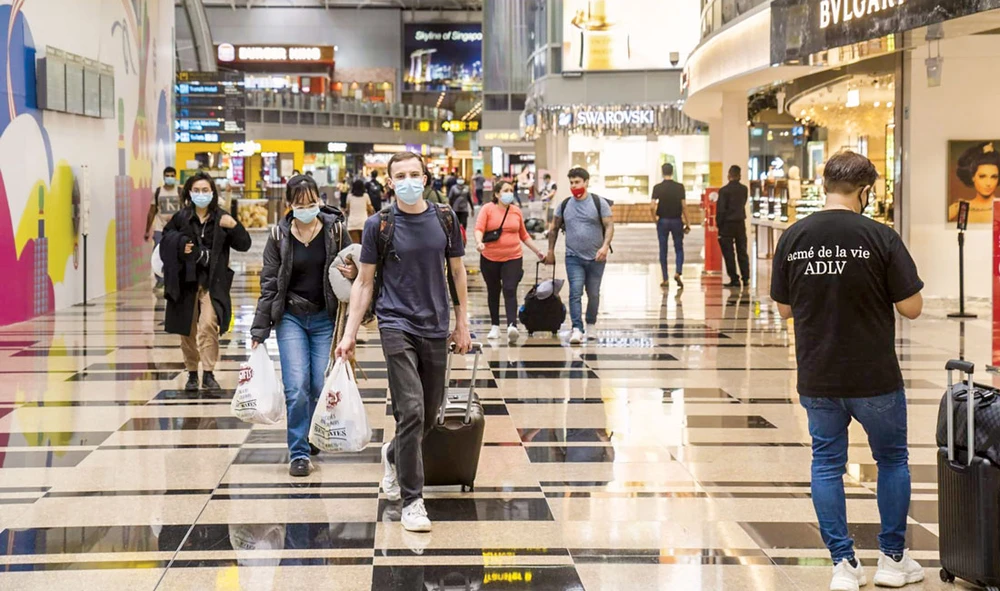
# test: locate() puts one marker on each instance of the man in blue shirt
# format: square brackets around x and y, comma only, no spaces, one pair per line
[589,230]
[412,311]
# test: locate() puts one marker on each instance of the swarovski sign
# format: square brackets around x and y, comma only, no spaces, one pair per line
[835,12]
[601,118]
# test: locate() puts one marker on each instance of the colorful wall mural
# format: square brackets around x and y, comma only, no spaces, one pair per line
[43,154]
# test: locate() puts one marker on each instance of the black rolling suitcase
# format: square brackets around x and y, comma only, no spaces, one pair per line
[542,315]
[451,449]
[969,483]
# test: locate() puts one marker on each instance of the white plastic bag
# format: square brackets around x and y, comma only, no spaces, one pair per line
[340,423]
[259,397]
[156,262]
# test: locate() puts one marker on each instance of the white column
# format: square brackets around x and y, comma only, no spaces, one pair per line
[729,139]
[552,155]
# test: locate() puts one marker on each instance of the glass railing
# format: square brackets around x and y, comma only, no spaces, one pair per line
[716,14]
[290,101]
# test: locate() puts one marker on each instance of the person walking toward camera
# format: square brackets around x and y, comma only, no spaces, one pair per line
[296,299]
[731,216]
[589,228]
[404,252]
[842,276]
[195,252]
[500,231]
[668,204]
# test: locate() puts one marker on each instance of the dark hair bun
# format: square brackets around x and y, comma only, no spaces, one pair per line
[969,162]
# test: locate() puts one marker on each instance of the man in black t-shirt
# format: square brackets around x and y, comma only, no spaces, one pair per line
[839,275]
[375,191]
[731,216]
[671,221]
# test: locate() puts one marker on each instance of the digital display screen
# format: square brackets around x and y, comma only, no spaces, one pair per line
[91,92]
[210,107]
[55,84]
[108,96]
[74,88]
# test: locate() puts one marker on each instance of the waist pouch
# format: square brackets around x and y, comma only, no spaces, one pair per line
[300,306]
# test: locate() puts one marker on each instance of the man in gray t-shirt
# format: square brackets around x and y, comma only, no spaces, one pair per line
[588,242]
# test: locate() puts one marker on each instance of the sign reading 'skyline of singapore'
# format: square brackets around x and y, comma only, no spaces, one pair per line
[801,28]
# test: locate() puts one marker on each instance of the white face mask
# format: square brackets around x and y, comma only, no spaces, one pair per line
[507,198]
[409,191]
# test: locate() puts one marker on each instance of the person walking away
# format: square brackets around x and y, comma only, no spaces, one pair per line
[195,252]
[434,193]
[668,204]
[450,181]
[166,202]
[358,209]
[375,191]
[460,200]
[479,183]
[296,299]
[731,215]
[839,275]
[407,264]
[501,260]
[589,230]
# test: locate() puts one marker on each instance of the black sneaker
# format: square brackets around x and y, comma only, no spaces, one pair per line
[208,381]
[299,468]
[313,450]
[736,284]
[192,383]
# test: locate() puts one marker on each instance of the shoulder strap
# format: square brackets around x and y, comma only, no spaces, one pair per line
[561,211]
[156,194]
[276,233]
[447,221]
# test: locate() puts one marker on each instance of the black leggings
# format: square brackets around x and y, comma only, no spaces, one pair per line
[502,276]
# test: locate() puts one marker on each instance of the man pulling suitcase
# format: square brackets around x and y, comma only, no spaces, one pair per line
[410,286]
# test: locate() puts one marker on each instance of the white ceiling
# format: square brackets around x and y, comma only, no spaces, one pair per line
[406,4]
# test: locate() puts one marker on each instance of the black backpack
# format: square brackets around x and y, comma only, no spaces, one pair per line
[384,249]
[597,203]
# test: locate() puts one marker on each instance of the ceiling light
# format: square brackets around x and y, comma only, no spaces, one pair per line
[854,98]
[878,103]
[889,104]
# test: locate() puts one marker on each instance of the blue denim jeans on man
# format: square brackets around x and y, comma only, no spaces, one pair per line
[884,420]
[304,343]
[584,274]
[665,229]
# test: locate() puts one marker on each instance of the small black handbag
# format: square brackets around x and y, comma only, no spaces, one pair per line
[494,235]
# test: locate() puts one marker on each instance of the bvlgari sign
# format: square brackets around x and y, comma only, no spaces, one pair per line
[837,11]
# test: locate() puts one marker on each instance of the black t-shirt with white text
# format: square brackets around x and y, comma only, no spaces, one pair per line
[842,273]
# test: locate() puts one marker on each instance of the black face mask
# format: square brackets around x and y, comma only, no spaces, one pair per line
[864,204]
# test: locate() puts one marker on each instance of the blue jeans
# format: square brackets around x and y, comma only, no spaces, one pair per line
[304,343]
[584,274]
[665,228]
[884,420]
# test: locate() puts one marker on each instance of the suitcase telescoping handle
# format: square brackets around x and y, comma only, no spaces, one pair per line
[477,348]
[968,368]
[538,266]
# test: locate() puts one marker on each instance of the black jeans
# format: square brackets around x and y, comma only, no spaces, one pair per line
[730,234]
[416,368]
[502,277]
[463,218]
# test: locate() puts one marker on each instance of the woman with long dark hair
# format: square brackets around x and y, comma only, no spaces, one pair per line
[358,209]
[195,252]
[501,262]
[979,169]
[297,300]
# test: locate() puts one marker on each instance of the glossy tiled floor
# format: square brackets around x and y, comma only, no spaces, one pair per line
[668,453]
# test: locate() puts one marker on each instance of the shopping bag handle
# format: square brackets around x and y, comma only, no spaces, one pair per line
[477,348]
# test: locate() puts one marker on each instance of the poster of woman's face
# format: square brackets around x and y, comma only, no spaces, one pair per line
[974,174]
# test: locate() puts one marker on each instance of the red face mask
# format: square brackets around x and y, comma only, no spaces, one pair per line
[578,191]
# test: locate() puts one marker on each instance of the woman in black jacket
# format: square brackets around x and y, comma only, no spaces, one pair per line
[197,277]
[296,298]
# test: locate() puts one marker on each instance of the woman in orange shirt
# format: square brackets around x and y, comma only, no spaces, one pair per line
[501,259]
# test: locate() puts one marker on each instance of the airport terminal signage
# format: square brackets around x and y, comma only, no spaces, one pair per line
[210,107]
[227,53]
[800,29]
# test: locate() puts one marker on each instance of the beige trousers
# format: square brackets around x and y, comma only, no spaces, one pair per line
[203,342]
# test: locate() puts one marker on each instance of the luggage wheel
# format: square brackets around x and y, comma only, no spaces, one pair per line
[946,576]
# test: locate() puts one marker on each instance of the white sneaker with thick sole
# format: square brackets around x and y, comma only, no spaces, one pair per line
[898,574]
[512,334]
[494,333]
[390,483]
[847,577]
[415,517]
[576,337]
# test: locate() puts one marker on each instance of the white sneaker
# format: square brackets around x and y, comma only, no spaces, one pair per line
[847,577]
[576,337]
[591,332]
[512,334]
[390,484]
[898,574]
[494,333]
[415,517]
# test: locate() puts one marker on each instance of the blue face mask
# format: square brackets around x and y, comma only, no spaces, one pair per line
[507,198]
[201,200]
[169,181]
[409,191]
[306,215]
